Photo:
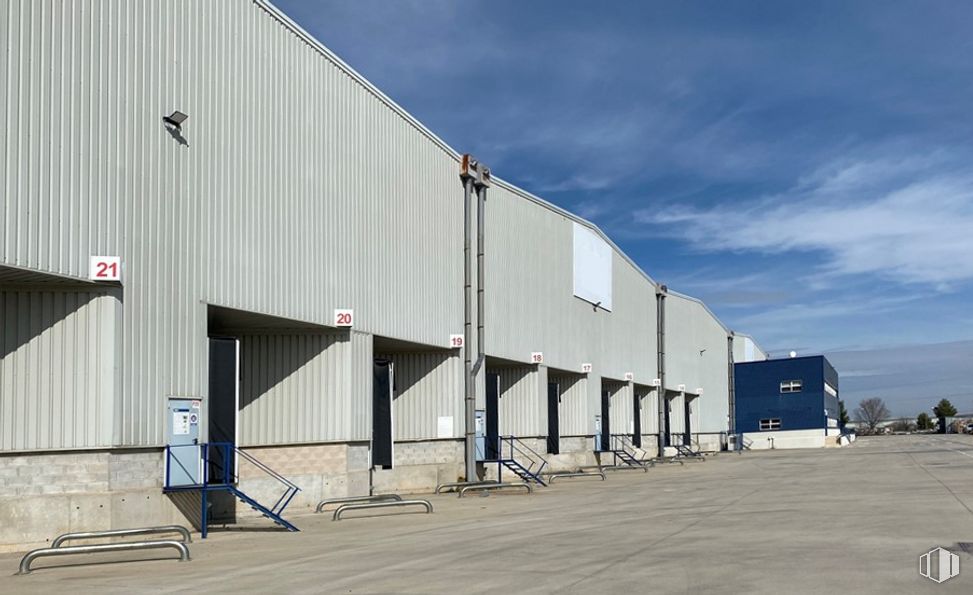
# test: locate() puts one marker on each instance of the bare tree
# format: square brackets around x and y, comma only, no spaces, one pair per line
[871,412]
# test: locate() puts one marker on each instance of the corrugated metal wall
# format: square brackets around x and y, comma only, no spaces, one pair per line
[530,295]
[295,388]
[295,188]
[58,373]
[712,408]
[573,408]
[523,406]
[622,408]
[677,415]
[427,386]
[650,409]
[298,190]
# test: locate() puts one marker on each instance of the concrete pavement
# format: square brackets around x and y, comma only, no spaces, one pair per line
[850,520]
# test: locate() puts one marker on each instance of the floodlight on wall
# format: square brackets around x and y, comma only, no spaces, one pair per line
[175,119]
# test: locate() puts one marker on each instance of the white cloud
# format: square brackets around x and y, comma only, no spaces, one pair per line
[904,219]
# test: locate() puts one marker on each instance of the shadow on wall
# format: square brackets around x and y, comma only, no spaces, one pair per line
[189,504]
[266,361]
[28,313]
[411,368]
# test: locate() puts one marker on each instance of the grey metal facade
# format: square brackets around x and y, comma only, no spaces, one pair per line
[295,188]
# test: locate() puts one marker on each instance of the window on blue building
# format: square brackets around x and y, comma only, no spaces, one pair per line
[770,424]
[791,386]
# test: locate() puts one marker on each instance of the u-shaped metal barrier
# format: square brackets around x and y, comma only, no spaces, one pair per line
[496,486]
[456,485]
[366,506]
[600,474]
[354,499]
[26,561]
[186,537]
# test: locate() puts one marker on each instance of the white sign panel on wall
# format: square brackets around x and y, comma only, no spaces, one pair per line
[105,268]
[344,318]
[444,427]
[592,267]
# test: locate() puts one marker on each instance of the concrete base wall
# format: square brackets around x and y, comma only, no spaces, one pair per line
[785,439]
[421,466]
[576,451]
[45,495]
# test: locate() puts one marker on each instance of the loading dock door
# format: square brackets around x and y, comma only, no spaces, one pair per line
[553,427]
[637,417]
[666,426]
[492,416]
[382,443]
[606,433]
[224,403]
[688,407]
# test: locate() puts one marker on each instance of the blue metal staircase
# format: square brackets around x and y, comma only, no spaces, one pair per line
[624,450]
[530,463]
[215,460]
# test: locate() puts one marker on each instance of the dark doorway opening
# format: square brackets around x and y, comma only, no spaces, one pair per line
[492,416]
[606,431]
[382,392]
[224,378]
[637,418]
[553,425]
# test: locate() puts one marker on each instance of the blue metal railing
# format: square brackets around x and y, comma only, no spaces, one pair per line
[217,461]
[516,447]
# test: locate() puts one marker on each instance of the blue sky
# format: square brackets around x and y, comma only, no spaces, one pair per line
[804,168]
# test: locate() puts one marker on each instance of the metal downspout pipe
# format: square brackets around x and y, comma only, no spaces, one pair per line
[731,377]
[469,387]
[474,176]
[660,302]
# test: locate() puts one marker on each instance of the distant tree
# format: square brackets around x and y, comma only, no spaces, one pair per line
[871,412]
[944,409]
[843,418]
[923,421]
[904,425]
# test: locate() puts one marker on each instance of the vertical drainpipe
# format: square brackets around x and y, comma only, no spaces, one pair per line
[474,175]
[731,376]
[660,308]
[469,387]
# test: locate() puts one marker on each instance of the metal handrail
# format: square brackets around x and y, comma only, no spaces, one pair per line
[344,507]
[497,486]
[187,538]
[517,445]
[458,484]
[228,449]
[351,499]
[554,476]
[26,561]
[628,445]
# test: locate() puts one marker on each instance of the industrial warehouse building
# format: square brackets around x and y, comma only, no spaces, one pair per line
[281,265]
[787,403]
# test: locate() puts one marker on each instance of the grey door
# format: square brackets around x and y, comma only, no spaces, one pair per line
[184,464]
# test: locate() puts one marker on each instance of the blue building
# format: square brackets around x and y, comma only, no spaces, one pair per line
[787,403]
